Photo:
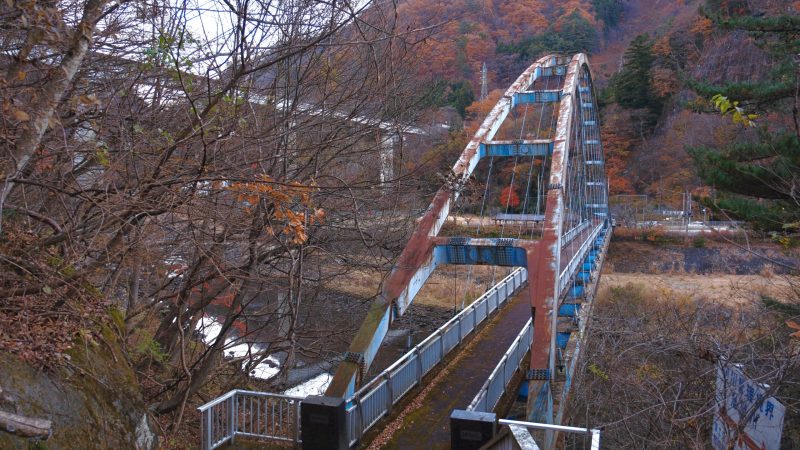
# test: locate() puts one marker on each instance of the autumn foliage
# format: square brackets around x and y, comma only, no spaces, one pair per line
[509,198]
[468,33]
[291,208]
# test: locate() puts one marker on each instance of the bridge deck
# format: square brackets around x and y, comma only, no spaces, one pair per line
[425,423]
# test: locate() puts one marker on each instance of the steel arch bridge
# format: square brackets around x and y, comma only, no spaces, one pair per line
[559,264]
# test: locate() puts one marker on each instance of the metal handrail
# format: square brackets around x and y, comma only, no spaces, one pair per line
[436,334]
[374,399]
[261,415]
[514,356]
[573,233]
[594,432]
[233,414]
[217,400]
[578,257]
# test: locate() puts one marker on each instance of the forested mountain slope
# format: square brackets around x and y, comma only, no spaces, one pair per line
[647,126]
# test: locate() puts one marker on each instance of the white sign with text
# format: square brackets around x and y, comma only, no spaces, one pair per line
[737,396]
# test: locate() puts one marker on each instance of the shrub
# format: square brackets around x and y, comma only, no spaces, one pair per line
[699,242]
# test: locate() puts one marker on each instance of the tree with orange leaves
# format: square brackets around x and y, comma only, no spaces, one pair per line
[509,198]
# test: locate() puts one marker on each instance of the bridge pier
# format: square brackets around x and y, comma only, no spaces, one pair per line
[387,142]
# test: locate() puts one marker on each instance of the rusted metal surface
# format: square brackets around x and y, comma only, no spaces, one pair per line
[567,258]
[398,291]
[545,262]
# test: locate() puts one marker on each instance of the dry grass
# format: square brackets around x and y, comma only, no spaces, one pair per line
[446,288]
[730,289]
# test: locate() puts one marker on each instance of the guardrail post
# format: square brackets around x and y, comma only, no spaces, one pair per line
[595,439]
[362,423]
[208,431]
[505,381]
[441,345]
[232,410]
[297,422]
[389,392]
[419,365]
[323,423]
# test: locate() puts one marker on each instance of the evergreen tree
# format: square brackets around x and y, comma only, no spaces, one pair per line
[759,181]
[460,96]
[609,11]
[633,86]
[575,35]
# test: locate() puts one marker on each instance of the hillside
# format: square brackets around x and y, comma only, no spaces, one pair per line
[470,32]
[645,146]
[211,196]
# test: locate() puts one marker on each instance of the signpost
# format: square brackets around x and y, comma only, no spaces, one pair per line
[738,398]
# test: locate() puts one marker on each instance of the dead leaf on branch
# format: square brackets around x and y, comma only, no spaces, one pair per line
[20,115]
[795,326]
[291,203]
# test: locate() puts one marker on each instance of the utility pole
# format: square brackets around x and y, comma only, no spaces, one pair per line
[484,83]
[687,212]
[644,210]
[683,208]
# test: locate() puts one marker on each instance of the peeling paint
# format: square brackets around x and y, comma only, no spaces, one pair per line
[543,259]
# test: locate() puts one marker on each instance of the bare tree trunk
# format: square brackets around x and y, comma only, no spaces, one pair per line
[50,96]
[133,284]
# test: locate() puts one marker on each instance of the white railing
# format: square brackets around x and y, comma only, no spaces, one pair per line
[276,417]
[495,386]
[573,233]
[375,399]
[577,259]
[593,432]
[258,415]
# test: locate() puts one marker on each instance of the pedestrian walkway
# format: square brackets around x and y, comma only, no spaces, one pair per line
[425,422]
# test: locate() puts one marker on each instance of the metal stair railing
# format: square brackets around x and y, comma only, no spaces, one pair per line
[258,415]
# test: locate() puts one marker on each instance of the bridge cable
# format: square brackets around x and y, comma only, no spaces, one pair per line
[511,186]
[541,194]
[530,169]
[482,211]
[478,229]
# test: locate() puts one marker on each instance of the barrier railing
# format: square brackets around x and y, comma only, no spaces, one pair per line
[577,258]
[250,414]
[571,234]
[506,443]
[276,417]
[375,399]
[495,385]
